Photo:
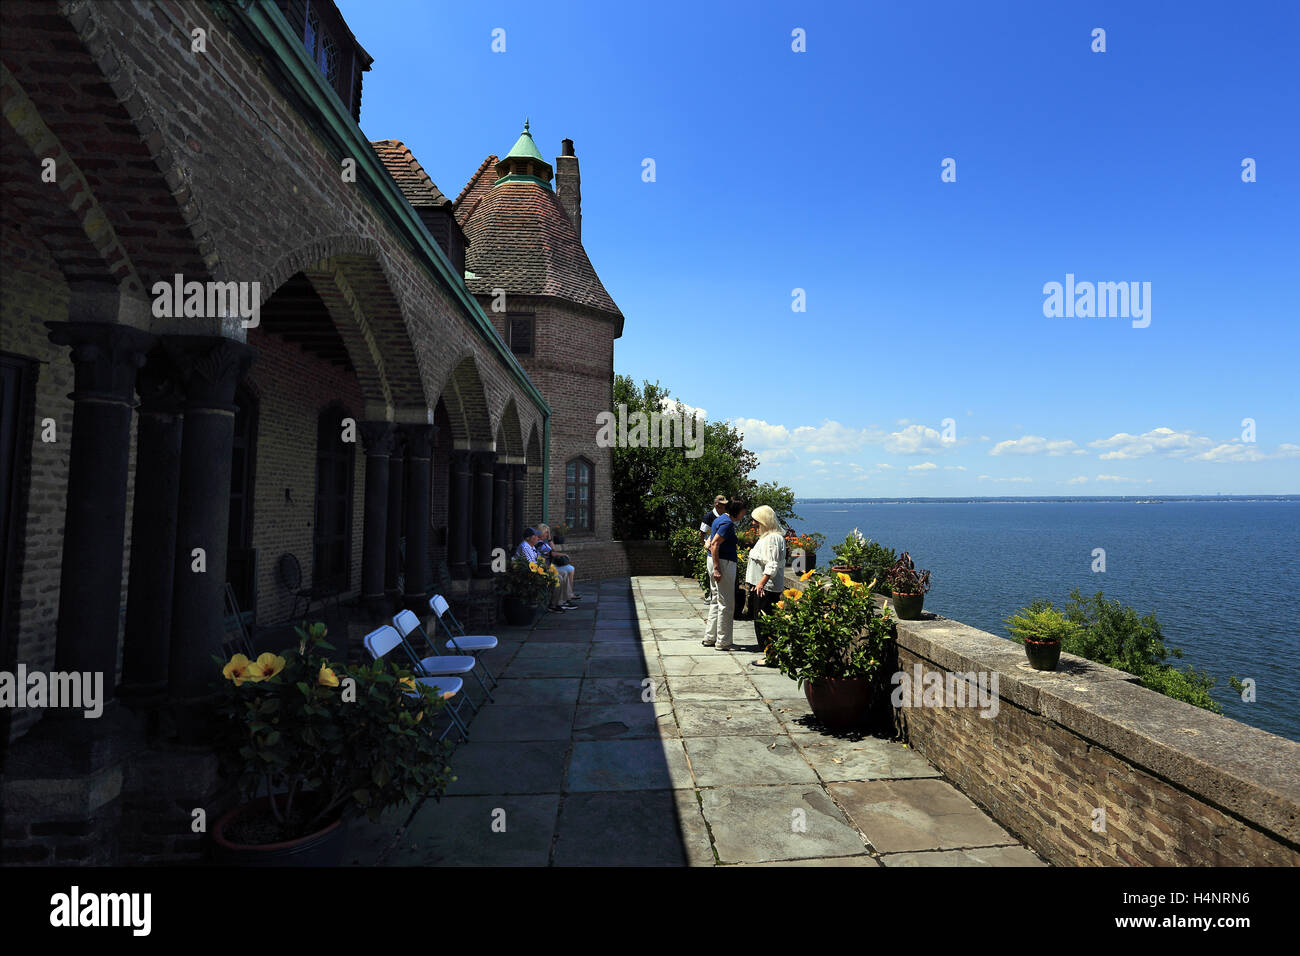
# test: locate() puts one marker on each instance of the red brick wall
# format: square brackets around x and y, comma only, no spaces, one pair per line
[293,387]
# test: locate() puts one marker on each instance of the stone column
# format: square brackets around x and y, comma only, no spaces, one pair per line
[210,369]
[393,537]
[146,650]
[518,485]
[458,515]
[484,464]
[105,357]
[377,440]
[501,507]
[419,461]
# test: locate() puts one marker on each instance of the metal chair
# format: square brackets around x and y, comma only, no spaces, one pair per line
[458,640]
[290,573]
[406,624]
[382,640]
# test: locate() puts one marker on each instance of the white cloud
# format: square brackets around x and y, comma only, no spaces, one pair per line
[1158,441]
[954,467]
[1077,481]
[988,478]
[816,461]
[924,466]
[672,404]
[1034,445]
[1114,478]
[1240,451]
[828,437]
[918,440]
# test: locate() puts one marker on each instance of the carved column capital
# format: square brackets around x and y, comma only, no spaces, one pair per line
[378,438]
[106,358]
[209,368]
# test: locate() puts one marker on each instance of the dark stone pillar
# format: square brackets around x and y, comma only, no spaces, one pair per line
[419,461]
[145,652]
[377,440]
[105,357]
[458,515]
[501,507]
[210,369]
[518,483]
[484,464]
[393,538]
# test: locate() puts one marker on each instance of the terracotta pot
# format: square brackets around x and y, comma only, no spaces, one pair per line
[1043,655]
[518,613]
[840,703]
[908,606]
[323,848]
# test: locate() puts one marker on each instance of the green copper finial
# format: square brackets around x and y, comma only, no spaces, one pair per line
[526,125]
[524,147]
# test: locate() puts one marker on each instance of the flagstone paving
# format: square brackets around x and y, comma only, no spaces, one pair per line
[615,738]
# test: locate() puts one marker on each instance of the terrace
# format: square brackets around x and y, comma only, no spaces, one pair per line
[615,738]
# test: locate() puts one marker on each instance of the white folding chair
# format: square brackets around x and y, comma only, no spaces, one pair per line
[407,624]
[458,640]
[382,640]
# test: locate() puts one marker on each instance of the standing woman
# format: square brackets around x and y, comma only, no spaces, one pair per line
[765,569]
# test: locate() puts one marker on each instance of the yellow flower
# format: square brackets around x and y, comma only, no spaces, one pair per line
[237,669]
[873,581]
[844,578]
[408,683]
[268,665]
[533,566]
[793,594]
[327,677]
[805,576]
[781,605]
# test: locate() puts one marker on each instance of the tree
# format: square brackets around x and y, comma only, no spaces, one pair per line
[658,490]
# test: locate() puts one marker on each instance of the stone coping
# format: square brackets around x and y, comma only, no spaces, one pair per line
[1243,770]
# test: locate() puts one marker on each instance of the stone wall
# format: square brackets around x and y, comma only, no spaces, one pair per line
[1086,746]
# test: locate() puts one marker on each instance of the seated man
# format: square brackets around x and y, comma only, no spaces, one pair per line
[565,570]
[529,550]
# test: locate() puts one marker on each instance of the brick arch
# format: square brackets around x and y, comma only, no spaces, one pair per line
[144,215]
[467,408]
[352,279]
[65,215]
[510,434]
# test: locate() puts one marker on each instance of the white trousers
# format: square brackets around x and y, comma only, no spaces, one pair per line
[722,610]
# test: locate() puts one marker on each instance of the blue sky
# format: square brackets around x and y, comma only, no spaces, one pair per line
[820,171]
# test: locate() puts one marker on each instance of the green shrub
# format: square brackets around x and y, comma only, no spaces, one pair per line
[1113,634]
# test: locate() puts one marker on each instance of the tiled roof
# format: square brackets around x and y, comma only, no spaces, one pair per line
[419,189]
[521,240]
[484,178]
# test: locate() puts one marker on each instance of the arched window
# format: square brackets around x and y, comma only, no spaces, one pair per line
[335,468]
[579,495]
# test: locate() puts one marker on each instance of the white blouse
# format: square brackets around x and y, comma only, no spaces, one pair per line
[767,557]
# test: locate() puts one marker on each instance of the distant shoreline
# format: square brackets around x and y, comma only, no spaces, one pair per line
[1025,499]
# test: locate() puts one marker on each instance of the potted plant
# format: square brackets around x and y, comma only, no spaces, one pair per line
[1041,628]
[908,587]
[831,638]
[850,555]
[687,552]
[808,544]
[558,533]
[311,743]
[525,588]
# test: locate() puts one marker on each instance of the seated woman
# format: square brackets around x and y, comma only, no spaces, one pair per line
[765,569]
[568,600]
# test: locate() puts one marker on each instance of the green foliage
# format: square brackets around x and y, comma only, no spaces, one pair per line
[686,550]
[1040,623]
[659,490]
[1113,634]
[327,740]
[831,629]
[529,581]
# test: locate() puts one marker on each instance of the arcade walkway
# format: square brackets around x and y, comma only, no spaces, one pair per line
[617,739]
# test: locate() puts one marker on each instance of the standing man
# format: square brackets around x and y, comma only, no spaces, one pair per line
[722,577]
[706,531]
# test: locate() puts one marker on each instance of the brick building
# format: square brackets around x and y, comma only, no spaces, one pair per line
[375,425]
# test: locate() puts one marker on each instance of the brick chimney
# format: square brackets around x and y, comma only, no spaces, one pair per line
[568,184]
